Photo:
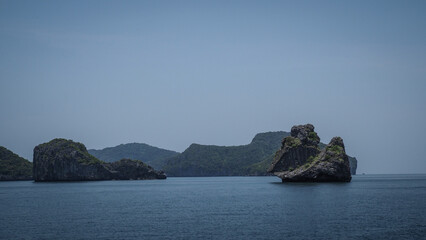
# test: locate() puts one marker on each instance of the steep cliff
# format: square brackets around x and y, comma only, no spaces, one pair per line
[65,160]
[301,160]
[353,163]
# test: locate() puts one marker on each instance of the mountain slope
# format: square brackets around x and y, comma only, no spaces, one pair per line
[14,167]
[150,155]
[209,160]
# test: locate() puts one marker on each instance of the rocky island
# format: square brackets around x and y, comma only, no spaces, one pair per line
[66,160]
[301,160]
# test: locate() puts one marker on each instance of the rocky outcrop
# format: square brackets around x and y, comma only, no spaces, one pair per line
[14,167]
[353,164]
[301,160]
[65,160]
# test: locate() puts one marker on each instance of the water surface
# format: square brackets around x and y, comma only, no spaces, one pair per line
[370,207]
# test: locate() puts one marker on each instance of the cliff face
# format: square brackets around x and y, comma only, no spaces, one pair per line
[14,167]
[65,160]
[301,160]
[353,163]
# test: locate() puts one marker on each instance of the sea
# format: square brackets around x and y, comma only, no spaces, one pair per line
[369,207]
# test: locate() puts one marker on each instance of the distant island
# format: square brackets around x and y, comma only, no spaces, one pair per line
[252,159]
[14,167]
[150,155]
[66,160]
[301,160]
[199,160]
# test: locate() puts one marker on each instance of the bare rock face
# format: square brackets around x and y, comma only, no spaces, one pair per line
[306,134]
[65,160]
[353,163]
[301,160]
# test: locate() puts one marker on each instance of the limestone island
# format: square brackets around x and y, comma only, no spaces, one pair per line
[66,160]
[301,160]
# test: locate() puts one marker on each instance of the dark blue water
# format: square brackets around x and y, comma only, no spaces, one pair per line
[370,207]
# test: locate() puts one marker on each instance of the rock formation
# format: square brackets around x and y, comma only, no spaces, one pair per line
[65,160]
[353,164]
[301,160]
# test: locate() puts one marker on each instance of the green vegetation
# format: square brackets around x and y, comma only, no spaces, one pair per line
[91,160]
[204,160]
[313,136]
[292,142]
[153,156]
[13,166]
[71,149]
[250,159]
[132,162]
[310,161]
[335,149]
[339,150]
[259,168]
[207,160]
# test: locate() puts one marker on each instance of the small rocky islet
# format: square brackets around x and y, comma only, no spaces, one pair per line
[66,160]
[301,160]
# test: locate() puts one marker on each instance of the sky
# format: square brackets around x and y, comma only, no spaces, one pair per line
[172,73]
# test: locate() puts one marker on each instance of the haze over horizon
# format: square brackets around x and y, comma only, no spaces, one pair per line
[172,73]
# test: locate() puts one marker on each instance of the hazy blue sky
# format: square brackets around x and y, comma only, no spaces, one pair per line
[171,73]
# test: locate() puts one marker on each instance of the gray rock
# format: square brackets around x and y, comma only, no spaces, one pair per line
[301,160]
[353,163]
[306,134]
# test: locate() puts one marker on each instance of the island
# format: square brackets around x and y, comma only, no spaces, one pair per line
[13,167]
[301,160]
[66,160]
[252,159]
[153,156]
